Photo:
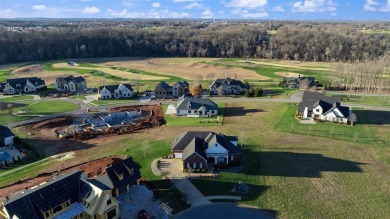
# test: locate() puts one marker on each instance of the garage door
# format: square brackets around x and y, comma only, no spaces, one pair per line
[178,155]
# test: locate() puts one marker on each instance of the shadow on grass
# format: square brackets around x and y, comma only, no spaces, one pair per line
[211,187]
[372,117]
[239,111]
[290,164]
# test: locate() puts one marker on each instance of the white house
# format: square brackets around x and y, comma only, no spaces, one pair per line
[6,136]
[196,107]
[70,83]
[228,86]
[115,91]
[23,85]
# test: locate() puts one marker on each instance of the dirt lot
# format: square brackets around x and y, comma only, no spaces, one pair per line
[185,68]
[91,169]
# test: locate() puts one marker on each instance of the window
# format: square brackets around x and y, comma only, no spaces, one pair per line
[57,209]
[194,165]
[111,213]
[109,202]
[189,111]
[47,213]
[131,171]
[232,157]
[201,165]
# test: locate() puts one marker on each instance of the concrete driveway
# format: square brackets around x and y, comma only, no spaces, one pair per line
[171,109]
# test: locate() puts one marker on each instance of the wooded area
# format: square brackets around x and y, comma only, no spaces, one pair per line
[305,41]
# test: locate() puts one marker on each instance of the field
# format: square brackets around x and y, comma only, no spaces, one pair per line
[365,100]
[108,102]
[16,98]
[47,107]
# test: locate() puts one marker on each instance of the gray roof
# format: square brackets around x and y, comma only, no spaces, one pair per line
[163,84]
[310,98]
[196,103]
[343,109]
[229,81]
[197,145]
[22,81]
[70,78]
[200,141]
[182,83]
[5,132]
[112,88]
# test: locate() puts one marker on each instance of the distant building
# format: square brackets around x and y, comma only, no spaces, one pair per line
[198,149]
[115,91]
[71,84]
[164,90]
[316,105]
[2,86]
[299,82]
[72,63]
[23,85]
[194,106]
[227,86]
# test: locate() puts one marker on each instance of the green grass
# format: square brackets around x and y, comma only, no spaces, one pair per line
[172,121]
[137,71]
[17,98]
[382,101]
[4,75]
[48,107]
[359,132]
[114,101]
[7,118]
[79,97]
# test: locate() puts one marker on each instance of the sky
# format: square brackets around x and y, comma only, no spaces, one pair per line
[217,9]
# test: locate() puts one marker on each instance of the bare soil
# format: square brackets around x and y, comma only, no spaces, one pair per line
[30,69]
[91,169]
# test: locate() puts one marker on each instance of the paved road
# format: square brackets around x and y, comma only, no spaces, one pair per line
[222,211]
[294,98]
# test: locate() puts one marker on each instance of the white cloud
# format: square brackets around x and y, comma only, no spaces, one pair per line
[194,5]
[247,3]
[247,14]
[39,7]
[149,14]
[333,14]
[128,3]
[314,6]
[207,14]
[6,13]
[386,8]
[178,1]
[91,10]
[156,4]
[278,8]
[370,5]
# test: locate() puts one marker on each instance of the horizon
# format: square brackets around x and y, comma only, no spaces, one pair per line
[268,10]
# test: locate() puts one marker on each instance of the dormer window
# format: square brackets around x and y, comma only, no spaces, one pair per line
[120,176]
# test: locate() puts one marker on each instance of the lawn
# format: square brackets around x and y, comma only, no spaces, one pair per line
[114,101]
[17,98]
[7,118]
[47,107]
[365,100]
[173,121]
[4,75]
[79,97]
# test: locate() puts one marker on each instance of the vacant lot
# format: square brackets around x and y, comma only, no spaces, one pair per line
[188,69]
[47,107]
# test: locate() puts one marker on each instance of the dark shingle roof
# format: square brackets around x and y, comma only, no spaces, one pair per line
[71,78]
[220,139]
[325,105]
[196,103]
[310,98]
[195,146]
[46,197]
[99,184]
[5,132]
[112,88]
[231,82]
[181,141]
[182,83]
[120,169]
[128,86]
[163,84]
[22,81]
[344,110]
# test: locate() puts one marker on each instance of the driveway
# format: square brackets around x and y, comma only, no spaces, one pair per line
[171,109]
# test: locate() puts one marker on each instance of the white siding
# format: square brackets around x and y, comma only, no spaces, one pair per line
[178,155]
[9,140]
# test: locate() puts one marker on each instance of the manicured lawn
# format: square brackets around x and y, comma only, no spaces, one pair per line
[17,98]
[4,75]
[359,132]
[173,121]
[113,101]
[171,78]
[6,118]
[48,107]
[78,97]
[366,100]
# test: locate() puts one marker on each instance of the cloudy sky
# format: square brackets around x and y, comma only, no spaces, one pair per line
[232,9]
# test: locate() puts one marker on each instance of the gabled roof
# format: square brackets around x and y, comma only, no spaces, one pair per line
[23,81]
[163,84]
[99,184]
[324,105]
[343,109]
[128,86]
[120,173]
[182,84]
[70,78]
[195,146]
[112,88]
[229,81]
[310,98]
[181,141]
[5,132]
[196,103]
[45,197]
[220,139]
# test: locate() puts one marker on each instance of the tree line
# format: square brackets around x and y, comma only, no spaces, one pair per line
[302,41]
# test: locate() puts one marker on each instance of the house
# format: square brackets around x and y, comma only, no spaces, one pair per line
[121,176]
[115,91]
[197,150]
[6,136]
[71,84]
[227,86]
[316,105]
[72,195]
[298,82]
[116,119]
[164,90]
[2,86]
[196,107]
[23,85]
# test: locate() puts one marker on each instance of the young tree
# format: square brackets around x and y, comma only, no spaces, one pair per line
[196,90]
[258,92]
